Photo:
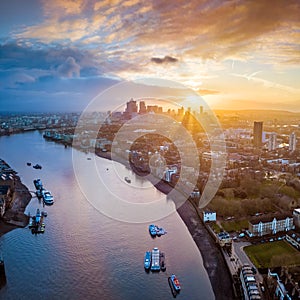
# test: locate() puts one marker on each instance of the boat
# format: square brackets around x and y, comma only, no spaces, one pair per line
[37,166]
[155,260]
[38,216]
[147,260]
[29,164]
[47,197]
[160,231]
[36,223]
[175,283]
[127,179]
[162,262]
[38,184]
[156,231]
[152,230]
[39,193]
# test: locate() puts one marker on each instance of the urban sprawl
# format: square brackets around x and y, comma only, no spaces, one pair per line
[257,205]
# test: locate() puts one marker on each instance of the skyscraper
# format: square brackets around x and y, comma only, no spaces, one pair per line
[143,108]
[257,134]
[292,142]
[272,141]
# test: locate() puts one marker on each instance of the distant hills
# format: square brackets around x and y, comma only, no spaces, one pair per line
[260,115]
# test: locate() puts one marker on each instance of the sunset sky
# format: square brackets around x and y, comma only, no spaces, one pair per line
[58,55]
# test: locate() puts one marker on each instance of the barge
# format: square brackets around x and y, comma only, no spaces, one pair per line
[155,266]
[162,262]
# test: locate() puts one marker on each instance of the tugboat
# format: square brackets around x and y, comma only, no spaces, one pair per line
[38,184]
[147,260]
[156,231]
[174,283]
[160,231]
[155,260]
[152,230]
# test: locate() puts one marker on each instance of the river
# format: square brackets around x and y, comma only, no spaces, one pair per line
[84,254]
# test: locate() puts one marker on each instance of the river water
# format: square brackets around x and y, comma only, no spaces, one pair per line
[84,254]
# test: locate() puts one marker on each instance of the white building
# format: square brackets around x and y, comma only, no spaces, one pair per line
[272,145]
[292,142]
[209,216]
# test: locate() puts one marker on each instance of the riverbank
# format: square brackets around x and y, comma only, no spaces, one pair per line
[213,260]
[14,216]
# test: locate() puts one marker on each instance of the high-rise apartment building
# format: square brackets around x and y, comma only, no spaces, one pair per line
[292,142]
[272,145]
[257,134]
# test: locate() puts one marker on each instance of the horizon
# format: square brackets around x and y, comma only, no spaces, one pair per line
[236,56]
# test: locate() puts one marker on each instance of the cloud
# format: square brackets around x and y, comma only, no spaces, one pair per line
[69,68]
[268,83]
[204,92]
[198,29]
[166,59]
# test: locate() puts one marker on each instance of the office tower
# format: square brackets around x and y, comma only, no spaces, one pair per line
[143,108]
[257,134]
[131,106]
[292,142]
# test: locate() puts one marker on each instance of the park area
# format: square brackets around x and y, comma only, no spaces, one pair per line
[273,254]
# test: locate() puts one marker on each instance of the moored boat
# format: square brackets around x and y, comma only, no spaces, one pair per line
[36,223]
[162,262]
[152,230]
[156,231]
[155,266]
[38,184]
[147,260]
[47,197]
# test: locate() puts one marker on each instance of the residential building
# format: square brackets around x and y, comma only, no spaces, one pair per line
[296,216]
[292,142]
[249,285]
[209,216]
[271,225]
[293,238]
[272,145]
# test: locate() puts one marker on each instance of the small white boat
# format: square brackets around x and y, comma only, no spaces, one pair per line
[47,197]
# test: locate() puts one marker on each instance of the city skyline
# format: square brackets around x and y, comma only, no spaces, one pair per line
[236,55]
